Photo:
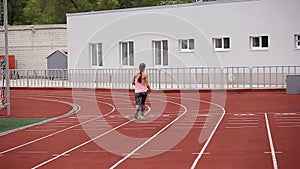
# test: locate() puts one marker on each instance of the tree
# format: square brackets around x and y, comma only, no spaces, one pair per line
[125,4]
[81,5]
[107,4]
[54,11]
[15,10]
[32,13]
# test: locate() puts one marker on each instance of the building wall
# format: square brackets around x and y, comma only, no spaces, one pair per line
[32,44]
[236,19]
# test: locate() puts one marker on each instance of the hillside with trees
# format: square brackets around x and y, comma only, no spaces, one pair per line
[22,12]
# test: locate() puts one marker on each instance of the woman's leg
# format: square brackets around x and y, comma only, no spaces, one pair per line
[137,105]
[143,100]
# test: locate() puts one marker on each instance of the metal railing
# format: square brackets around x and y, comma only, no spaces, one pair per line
[272,76]
[160,78]
[237,77]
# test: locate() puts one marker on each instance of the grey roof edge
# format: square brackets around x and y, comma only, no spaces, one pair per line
[198,3]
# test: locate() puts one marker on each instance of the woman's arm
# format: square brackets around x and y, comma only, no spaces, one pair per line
[147,83]
[133,80]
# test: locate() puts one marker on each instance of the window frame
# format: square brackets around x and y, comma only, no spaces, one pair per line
[99,54]
[260,45]
[222,47]
[297,41]
[162,52]
[188,45]
[130,58]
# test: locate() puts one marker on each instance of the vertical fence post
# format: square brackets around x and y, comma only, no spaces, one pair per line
[222,80]
[63,76]
[129,77]
[97,79]
[159,79]
[251,77]
[190,70]
[27,78]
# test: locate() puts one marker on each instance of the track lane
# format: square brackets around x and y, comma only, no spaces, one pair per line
[181,155]
[93,156]
[102,154]
[240,142]
[285,128]
[78,150]
[57,137]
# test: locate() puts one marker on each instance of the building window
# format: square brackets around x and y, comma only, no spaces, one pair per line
[96,54]
[160,52]
[221,44]
[259,42]
[187,45]
[127,53]
[297,41]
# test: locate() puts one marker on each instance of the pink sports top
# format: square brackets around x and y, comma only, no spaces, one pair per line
[140,87]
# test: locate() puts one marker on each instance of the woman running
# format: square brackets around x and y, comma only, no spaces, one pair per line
[140,80]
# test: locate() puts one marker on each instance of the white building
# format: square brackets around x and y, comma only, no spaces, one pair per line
[221,33]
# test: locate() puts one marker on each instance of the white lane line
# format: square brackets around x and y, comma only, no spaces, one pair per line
[286,117]
[285,114]
[290,126]
[94,151]
[208,140]
[97,125]
[60,131]
[92,129]
[187,127]
[240,127]
[62,123]
[244,114]
[33,152]
[139,128]
[277,152]
[39,130]
[50,126]
[84,143]
[201,115]
[239,123]
[275,165]
[196,121]
[151,138]
[184,124]
[67,120]
[241,120]
[288,122]
[166,150]
[134,154]
[205,153]
[65,155]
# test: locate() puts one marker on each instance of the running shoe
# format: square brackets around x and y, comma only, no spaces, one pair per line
[136,116]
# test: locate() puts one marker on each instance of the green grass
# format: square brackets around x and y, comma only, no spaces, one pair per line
[12,123]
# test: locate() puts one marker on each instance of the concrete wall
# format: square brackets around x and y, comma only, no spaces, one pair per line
[237,19]
[31,45]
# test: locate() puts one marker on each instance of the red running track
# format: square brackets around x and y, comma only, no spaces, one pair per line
[256,129]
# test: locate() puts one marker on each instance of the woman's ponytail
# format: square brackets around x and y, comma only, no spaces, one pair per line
[140,77]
